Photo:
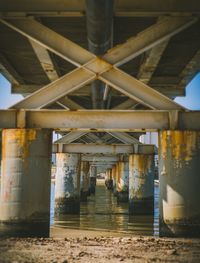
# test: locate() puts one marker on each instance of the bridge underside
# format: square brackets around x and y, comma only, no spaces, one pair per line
[100,73]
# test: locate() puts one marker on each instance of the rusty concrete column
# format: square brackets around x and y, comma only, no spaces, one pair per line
[85,180]
[179,172]
[93,179]
[67,189]
[123,181]
[25,182]
[141,184]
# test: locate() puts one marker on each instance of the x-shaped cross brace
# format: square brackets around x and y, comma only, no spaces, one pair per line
[91,67]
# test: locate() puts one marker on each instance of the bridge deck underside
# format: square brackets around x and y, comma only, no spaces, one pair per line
[17,53]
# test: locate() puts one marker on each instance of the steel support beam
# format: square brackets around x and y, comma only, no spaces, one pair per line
[93,148]
[27,89]
[170,91]
[45,61]
[50,40]
[102,163]
[103,148]
[124,137]
[57,89]
[48,67]
[166,89]
[147,39]
[66,102]
[100,120]
[137,90]
[192,68]
[150,63]
[127,104]
[163,30]
[103,159]
[70,137]
[23,89]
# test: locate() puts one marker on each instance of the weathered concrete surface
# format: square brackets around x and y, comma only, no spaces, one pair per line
[85,180]
[179,168]
[93,174]
[123,181]
[25,182]
[114,178]
[109,180]
[67,190]
[141,184]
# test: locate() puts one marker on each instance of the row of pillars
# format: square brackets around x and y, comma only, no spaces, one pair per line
[25,181]
[132,181]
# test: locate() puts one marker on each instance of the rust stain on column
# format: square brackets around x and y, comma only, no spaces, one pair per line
[141,184]
[21,138]
[179,167]
[181,144]
[25,183]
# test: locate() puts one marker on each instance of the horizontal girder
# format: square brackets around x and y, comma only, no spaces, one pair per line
[100,158]
[103,148]
[101,120]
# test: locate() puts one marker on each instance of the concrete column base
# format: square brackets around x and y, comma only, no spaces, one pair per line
[179,229]
[70,205]
[24,229]
[144,206]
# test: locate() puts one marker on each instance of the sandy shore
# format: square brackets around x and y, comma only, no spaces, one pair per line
[70,246]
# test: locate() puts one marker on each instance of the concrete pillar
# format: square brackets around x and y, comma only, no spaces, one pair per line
[109,180]
[85,180]
[25,182]
[141,184]
[179,172]
[67,189]
[114,178]
[93,179]
[123,181]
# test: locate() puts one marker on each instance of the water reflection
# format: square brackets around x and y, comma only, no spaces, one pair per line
[102,212]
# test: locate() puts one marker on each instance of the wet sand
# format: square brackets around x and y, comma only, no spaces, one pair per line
[70,246]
